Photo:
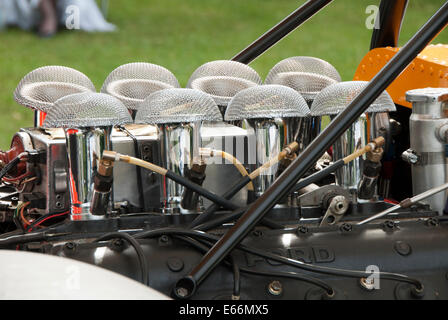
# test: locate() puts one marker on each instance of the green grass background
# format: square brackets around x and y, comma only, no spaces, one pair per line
[183,34]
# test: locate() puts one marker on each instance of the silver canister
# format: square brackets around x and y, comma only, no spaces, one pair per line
[85,147]
[180,147]
[428,127]
[354,138]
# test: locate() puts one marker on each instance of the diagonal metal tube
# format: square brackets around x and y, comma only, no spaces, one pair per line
[280,30]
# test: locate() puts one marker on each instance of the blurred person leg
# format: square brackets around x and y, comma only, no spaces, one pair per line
[49,20]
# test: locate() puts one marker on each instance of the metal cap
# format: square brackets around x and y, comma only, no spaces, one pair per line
[222,79]
[177,106]
[133,82]
[266,101]
[427,95]
[87,110]
[333,99]
[40,88]
[307,75]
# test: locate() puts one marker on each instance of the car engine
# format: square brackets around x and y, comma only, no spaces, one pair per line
[301,186]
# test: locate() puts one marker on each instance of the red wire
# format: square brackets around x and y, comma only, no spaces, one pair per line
[391,201]
[51,217]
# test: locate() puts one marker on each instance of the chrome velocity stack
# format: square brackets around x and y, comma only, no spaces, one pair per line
[87,119]
[222,79]
[330,102]
[131,83]
[40,88]
[428,127]
[277,114]
[179,114]
[308,76]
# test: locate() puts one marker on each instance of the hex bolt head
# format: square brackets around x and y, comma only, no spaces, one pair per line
[275,288]
[302,230]
[181,292]
[164,239]
[346,227]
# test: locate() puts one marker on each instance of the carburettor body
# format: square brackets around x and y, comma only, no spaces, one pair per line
[51,188]
[428,126]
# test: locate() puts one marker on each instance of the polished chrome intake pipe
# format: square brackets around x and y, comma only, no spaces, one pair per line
[178,114]
[330,102]
[87,119]
[181,143]
[277,114]
[85,147]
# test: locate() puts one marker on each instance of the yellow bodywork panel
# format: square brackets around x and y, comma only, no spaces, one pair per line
[429,69]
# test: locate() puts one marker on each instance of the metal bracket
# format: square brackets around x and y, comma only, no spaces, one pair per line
[336,210]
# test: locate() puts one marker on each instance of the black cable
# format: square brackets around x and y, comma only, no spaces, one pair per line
[219,221]
[11,165]
[202,191]
[236,278]
[207,214]
[287,261]
[319,175]
[291,275]
[23,238]
[138,249]
[233,216]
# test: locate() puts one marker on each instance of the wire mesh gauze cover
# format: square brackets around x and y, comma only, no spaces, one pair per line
[307,75]
[177,106]
[222,79]
[87,110]
[333,99]
[40,88]
[133,82]
[267,101]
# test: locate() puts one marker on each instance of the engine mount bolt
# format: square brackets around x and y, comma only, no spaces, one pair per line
[432,222]
[275,288]
[69,247]
[164,239]
[302,230]
[346,227]
[390,225]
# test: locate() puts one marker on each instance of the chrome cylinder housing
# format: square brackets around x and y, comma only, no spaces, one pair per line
[428,127]
[87,119]
[331,101]
[354,138]
[278,115]
[271,136]
[84,148]
[380,126]
[180,147]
